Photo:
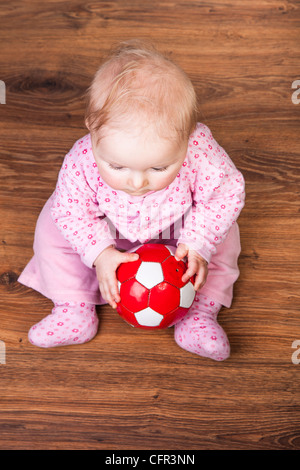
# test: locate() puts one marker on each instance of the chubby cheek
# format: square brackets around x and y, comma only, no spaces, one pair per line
[161,181]
[114,181]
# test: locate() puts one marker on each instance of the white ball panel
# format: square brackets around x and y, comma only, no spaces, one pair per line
[187,295]
[149,274]
[148,317]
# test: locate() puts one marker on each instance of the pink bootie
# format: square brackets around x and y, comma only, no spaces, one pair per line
[69,323]
[200,333]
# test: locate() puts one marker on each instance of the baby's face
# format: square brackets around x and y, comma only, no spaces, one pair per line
[137,164]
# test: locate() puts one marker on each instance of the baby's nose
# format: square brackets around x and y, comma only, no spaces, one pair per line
[138,180]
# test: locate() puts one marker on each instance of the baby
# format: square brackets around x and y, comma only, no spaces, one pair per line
[147,171]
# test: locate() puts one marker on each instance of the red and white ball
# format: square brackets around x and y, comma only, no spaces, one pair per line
[152,293]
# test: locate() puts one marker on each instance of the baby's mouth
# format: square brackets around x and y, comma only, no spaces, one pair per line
[138,193]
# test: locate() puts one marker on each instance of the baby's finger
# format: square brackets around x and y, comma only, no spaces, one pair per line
[181,252]
[111,301]
[107,295]
[200,278]
[114,291]
[192,269]
[128,257]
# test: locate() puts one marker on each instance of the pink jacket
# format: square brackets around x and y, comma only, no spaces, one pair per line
[201,204]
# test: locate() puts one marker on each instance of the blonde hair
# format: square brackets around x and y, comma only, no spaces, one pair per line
[137,85]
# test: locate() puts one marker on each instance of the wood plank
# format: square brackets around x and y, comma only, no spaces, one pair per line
[131,389]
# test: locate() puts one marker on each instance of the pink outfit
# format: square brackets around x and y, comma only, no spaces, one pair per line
[84,216]
[69,323]
[200,333]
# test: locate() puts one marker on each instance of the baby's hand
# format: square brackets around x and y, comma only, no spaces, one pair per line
[106,265]
[196,265]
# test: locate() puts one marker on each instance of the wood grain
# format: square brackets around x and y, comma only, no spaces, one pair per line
[129,389]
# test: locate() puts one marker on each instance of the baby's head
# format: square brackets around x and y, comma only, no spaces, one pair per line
[141,110]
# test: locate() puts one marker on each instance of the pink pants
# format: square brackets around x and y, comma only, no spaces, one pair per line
[58,273]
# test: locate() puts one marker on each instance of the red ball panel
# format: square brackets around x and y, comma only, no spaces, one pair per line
[127,316]
[173,271]
[155,252]
[164,298]
[128,270]
[173,317]
[134,296]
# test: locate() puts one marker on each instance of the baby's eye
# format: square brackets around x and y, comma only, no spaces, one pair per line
[115,167]
[160,169]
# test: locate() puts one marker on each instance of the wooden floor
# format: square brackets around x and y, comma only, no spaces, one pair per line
[129,389]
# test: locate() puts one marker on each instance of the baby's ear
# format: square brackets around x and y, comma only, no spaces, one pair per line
[86,122]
